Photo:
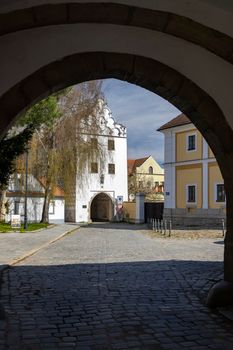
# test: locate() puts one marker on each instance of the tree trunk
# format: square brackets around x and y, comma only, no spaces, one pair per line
[2,205]
[45,212]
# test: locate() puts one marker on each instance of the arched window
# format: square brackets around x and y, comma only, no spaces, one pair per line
[150,170]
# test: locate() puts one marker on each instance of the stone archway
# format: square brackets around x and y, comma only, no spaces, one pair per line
[175,51]
[101,208]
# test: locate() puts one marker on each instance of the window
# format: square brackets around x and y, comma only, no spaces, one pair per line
[16,208]
[94,168]
[52,207]
[111,145]
[94,143]
[220,193]
[191,194]
[150,170]
[111,168]
[191,142]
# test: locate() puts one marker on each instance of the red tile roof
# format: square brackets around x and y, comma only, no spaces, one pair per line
[134,163]
[130,163]
[181,119]
[57,191]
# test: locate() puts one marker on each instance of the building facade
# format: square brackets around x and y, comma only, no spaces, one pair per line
[194,187]
[15,200]
[99,194]
[145,175]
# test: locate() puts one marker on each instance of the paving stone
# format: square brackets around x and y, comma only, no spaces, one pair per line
[114,287]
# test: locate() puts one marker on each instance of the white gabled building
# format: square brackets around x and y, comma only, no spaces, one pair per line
[104,182]
[15,200]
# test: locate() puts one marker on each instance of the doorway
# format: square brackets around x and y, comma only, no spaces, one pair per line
[101,208]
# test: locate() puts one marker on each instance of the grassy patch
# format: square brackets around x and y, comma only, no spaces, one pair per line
[4,227]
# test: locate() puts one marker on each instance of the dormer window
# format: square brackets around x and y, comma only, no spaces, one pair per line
[150,170]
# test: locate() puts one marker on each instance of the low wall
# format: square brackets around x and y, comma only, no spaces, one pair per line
[129,209]
[200,218]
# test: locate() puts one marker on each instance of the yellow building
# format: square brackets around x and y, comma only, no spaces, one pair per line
[194,187]
[146,175]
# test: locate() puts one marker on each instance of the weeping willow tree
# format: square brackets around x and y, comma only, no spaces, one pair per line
[61,151]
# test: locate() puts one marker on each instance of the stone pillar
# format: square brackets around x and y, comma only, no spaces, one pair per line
[140,210]
[205,194]
[221,294]
[228,251]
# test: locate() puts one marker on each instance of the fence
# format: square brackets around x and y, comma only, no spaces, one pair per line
[164,226]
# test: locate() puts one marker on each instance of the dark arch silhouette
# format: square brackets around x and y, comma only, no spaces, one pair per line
[202,110]
[120,14]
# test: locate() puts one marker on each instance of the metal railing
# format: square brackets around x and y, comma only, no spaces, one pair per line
[162,226]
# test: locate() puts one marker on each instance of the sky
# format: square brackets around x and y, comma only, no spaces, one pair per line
[142,112]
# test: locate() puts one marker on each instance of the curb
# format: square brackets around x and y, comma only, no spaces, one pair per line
[35,250]
[25,256]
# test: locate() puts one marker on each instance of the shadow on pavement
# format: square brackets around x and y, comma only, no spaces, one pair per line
[128,305]
[218,242]
[117,226]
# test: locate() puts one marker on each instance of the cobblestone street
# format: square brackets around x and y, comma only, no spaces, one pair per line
[113,287]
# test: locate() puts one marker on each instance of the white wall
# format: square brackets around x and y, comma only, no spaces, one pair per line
[169,168]
[57,211]
[34,209]
[114,185]
[35,202]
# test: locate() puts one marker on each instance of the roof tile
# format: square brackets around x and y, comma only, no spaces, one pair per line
[181,119]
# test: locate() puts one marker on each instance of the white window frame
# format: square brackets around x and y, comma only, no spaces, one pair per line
[187,202]
[215,193]
[52,205]
[187,142]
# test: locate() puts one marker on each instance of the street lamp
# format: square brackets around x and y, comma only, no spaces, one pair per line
[26,192]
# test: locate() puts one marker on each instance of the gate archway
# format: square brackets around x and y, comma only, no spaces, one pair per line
[101,208]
